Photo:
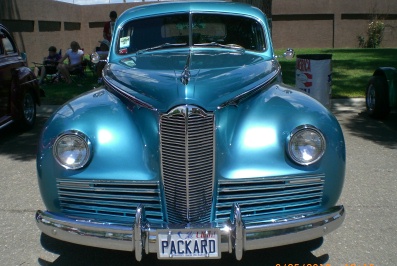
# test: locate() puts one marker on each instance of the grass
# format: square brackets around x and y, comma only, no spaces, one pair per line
[351,70]
[58,93]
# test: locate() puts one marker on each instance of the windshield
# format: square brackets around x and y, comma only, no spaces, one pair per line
[172,31]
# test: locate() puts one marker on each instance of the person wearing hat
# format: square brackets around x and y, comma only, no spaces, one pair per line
[104,45]
[49,64]
[109,26]
[102,53]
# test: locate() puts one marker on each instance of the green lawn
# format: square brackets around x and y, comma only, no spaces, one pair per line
[58,93]
[351,70]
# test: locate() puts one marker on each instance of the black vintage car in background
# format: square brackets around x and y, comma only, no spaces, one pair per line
[381,92]
[19,89]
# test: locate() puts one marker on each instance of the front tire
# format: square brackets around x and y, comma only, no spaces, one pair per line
[377,97]
[29,111]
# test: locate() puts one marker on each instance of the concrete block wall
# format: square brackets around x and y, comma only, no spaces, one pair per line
[83,24]
[329,23]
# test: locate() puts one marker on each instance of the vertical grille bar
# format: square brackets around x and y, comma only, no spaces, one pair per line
[187,158]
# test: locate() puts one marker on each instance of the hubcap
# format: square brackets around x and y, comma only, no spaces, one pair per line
[371,97]
[28,107]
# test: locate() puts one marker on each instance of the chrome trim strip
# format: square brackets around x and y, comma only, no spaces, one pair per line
[246,94]
[186,111]
[234,235]
[28,82]
[118,92]
[6,124]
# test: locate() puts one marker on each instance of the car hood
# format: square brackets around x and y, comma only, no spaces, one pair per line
[204,78]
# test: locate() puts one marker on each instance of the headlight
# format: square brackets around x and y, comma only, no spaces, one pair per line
[72,150]
[306,145]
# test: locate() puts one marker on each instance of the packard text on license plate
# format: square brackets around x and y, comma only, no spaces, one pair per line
[188,243]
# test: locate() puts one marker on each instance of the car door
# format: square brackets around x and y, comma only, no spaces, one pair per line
[8,61]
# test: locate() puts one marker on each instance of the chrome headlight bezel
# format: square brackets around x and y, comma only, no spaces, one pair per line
[306,136]
[72,150]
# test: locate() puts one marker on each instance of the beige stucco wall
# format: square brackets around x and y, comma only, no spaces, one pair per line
[298,34]
[36,43]
[332,33]
[296,23]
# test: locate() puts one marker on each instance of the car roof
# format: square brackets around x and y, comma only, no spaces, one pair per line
[216,7]
[192,6]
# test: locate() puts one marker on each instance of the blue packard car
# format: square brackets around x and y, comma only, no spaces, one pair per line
[193,146]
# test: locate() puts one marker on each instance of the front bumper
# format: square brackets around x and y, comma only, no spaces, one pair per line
[235,235]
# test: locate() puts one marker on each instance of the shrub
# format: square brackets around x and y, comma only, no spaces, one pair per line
[375,32]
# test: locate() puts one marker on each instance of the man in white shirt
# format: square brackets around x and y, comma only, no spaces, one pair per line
[75,59]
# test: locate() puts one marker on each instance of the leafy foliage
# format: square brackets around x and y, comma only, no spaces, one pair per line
[375,33]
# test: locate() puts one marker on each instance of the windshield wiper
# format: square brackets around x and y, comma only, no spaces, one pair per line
[229,46]
[161,46]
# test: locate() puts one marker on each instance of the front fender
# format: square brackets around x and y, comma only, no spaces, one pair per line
[253,139]
[119,148]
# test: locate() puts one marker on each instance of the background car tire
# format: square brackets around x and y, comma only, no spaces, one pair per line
[377,97]
[29,111]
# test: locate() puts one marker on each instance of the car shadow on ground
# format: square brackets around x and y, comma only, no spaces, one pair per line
[70,254]
[21,145]
[382,132]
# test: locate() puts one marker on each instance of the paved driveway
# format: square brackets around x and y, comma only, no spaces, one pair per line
[368,235]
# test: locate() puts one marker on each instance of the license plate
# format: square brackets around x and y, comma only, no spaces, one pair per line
[188,244]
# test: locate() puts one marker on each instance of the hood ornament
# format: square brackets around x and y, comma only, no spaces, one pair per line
[185,76]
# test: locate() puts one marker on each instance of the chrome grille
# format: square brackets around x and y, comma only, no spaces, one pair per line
[109,200]
[269,195]
[187,158]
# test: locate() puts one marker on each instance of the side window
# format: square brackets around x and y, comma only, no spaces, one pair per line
[8,44]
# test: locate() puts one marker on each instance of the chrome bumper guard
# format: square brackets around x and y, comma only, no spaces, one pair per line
[235,236]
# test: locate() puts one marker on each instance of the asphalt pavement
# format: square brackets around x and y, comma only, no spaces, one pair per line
[368,236]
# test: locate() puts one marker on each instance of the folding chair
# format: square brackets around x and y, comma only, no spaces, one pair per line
[80,71]
[50,67]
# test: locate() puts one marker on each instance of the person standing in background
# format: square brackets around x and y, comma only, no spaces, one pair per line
[109,26]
